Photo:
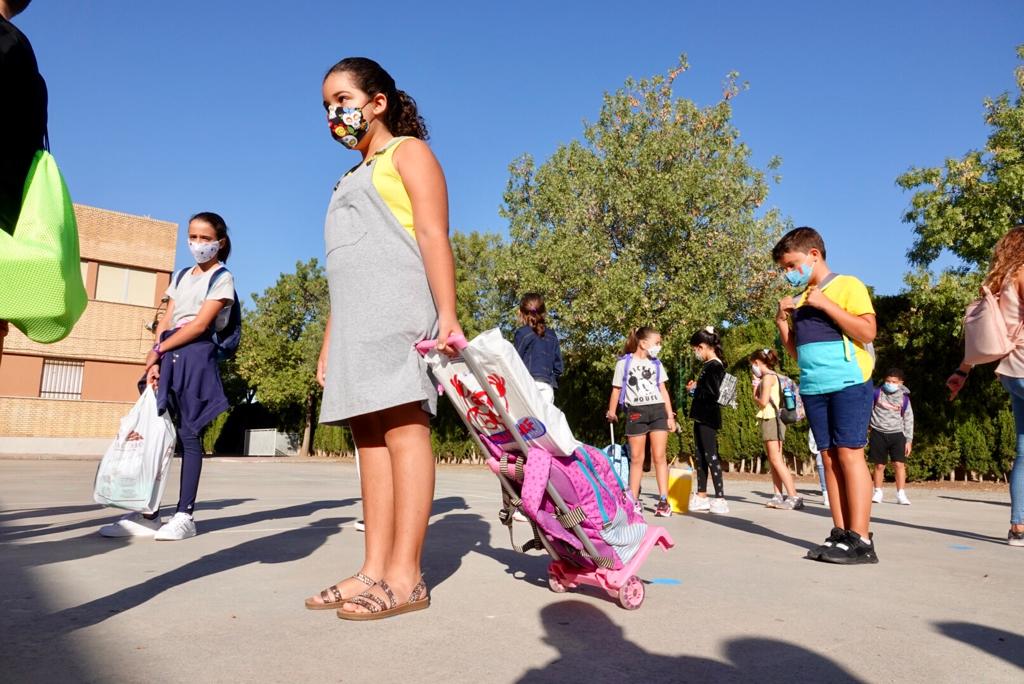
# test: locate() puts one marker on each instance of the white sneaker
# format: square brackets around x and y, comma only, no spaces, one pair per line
[519,517]
[877,496]
[180,526]
[131,525]
[360,526]
[700,504]
[719,505]
[775,502]
[824,496]
[901,497]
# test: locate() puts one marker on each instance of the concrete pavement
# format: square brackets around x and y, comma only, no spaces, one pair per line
[734,601]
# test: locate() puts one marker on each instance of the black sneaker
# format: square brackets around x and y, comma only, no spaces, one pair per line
[835,536]
[851,551]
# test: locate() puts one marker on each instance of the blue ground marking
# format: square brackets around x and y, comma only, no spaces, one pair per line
[664,580]
[961,547]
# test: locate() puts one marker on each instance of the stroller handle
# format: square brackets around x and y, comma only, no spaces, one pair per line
[457,341]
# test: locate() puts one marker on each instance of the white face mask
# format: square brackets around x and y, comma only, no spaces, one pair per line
[203,251]
[756,370]
[654,351]
[696,353]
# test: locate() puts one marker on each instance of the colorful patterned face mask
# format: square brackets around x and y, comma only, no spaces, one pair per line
[347,124]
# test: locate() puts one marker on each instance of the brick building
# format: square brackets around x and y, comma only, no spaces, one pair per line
[68,397]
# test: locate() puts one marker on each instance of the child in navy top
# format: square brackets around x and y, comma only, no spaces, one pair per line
[538,345]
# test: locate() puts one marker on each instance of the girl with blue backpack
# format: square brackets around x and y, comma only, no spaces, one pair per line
[639,386]
[201,324]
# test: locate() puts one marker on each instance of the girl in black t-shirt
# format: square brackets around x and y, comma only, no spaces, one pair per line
[707,420]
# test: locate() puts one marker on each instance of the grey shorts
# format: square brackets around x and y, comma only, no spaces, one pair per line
[773,430]
[646,418]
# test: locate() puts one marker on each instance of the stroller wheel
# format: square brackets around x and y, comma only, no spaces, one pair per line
[555,585]
[631,594]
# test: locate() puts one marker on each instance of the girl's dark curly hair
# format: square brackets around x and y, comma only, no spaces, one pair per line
[401,116]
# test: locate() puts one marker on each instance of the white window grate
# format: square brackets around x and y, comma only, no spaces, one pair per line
[61,379]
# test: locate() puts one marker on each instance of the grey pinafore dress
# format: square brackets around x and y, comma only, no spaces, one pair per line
[380,304]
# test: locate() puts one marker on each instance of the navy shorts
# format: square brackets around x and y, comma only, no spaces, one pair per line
[840,419]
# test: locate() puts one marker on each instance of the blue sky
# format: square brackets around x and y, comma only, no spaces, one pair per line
[166,109]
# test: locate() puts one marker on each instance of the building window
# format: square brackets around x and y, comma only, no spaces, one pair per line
[61,379]
[125,285]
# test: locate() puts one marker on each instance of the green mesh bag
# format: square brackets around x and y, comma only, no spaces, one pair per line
[41,288]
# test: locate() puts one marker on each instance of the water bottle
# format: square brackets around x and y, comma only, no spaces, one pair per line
[789,398]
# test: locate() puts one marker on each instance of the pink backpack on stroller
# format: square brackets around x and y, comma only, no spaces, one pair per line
[594,495]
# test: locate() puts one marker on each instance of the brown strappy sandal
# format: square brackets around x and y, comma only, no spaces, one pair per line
[378,609]
[333,600]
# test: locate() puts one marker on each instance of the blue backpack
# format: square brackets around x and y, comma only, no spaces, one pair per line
[227,339]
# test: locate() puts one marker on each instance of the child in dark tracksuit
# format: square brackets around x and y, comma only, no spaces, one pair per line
[706,413]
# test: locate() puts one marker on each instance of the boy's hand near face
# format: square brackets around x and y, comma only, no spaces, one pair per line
[787,305]
[816,298]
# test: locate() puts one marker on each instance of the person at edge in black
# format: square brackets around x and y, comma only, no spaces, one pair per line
[22,117]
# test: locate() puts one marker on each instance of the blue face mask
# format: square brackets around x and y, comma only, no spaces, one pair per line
[799,277]
[889,388]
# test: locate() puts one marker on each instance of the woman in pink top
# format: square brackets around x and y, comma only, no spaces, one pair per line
[1006,276]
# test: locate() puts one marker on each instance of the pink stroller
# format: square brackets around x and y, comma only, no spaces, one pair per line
[580,512]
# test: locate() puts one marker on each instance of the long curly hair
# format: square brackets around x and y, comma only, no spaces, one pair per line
[401,116]
[533,312]
[1007,258]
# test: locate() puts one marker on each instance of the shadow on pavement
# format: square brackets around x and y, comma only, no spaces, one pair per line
[1005,504]
[963,534]
[26,513]
[27,655]
[296,511]
[92,544]
[592,648]
[108,515]
[742,525]
[997,642]
[284,547]
[452,537]
[447,504]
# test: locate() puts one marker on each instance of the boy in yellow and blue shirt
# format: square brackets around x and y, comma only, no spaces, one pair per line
[829,328]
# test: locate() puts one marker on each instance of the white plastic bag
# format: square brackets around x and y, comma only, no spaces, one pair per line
[539,422]
[133,472]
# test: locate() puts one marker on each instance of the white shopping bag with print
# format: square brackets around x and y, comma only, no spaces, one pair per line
[133,472]
[539,422]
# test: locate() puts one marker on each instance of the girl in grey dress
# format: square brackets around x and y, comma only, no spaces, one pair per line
[391,276]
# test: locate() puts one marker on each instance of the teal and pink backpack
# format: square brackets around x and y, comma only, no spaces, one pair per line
[597,500]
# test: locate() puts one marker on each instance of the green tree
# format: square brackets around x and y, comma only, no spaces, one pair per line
[652,218]
[967,204]
[963,206]
[281,338]
[481,301]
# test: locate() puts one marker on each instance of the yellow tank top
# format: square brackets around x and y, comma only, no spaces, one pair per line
[769,411]
[390,187]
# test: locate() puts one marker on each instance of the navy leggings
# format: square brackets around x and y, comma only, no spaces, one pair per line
[706,441]
[191,469]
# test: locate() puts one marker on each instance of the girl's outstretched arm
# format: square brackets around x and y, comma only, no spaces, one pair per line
[428,193]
